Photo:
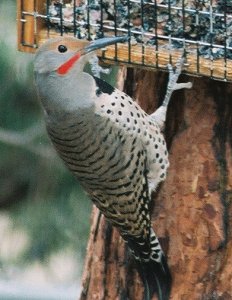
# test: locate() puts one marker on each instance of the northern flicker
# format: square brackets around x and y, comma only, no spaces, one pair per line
[116,151]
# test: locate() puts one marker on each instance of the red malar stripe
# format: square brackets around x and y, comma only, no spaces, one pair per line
[63,69]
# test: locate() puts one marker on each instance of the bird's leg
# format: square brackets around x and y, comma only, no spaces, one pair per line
[95,68]
[172,82]
[160,114]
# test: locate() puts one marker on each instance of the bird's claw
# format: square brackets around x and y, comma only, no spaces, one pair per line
[96,69]
[173,77]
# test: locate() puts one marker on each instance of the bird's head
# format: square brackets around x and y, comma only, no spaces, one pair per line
[61,83]
[62,54]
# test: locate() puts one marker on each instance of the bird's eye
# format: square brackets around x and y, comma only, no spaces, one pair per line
[62,48]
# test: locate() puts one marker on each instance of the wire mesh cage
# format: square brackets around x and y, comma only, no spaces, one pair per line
[160,31]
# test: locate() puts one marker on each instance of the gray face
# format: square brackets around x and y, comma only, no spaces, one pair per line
[57,51]
[67,91]
[61,83]
[54,53]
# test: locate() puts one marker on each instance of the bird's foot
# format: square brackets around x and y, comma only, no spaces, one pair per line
[160,114]
[96,69]
[173,77]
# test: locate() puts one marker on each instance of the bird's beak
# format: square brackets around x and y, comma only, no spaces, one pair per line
[101,43]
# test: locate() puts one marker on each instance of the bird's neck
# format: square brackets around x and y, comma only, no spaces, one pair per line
[66,94]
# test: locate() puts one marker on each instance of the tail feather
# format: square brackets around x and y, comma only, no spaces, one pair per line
[151,264]
[156,278]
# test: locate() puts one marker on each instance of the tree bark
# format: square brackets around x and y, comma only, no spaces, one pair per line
[192,212]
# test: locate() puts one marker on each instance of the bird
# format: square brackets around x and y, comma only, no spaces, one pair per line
[116,150]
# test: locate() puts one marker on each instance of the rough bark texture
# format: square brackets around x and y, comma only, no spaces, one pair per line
[192,212]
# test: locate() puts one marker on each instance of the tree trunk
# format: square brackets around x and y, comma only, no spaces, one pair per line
[192,215]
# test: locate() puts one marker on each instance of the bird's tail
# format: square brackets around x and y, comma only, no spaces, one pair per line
[152,266]
[156,278]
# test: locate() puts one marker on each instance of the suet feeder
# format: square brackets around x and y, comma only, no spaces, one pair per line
[160,31]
